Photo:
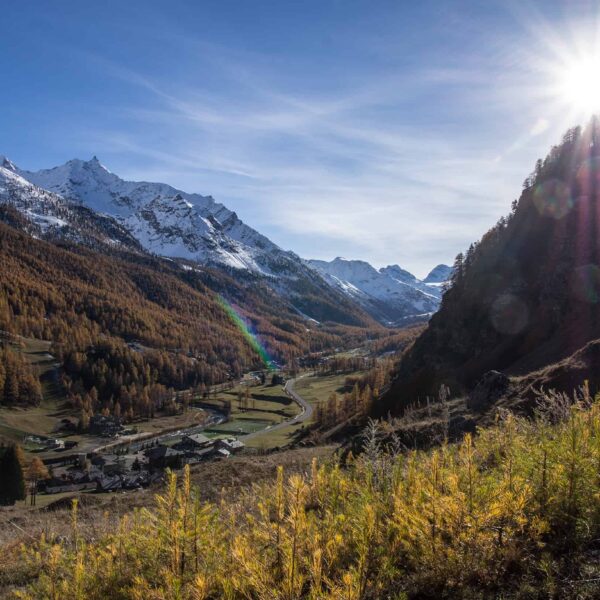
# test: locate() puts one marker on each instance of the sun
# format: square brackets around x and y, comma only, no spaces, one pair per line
[579,83]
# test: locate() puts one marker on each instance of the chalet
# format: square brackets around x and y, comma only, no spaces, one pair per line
[98,460]
[109,484]
[194,442]
[53,444]
[162,457]
[114,468]
[230,444]
[194,456]
[80,477]
[65,459]
[133,482]
[105,425]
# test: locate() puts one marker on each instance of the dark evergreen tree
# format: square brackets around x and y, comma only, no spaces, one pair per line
[12,482]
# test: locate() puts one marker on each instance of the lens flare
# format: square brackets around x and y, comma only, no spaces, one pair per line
[509,314]
[250,336]
[586,283]
[553,199]
[588,176]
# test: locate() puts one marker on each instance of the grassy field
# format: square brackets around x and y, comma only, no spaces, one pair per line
[18,422]
[191,418]
[268,406]
[317,389]
[280,438]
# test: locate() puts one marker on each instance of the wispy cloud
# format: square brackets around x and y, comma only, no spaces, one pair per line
[402,165]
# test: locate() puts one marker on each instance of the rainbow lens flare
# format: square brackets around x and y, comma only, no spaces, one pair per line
[250,336]
[553,199]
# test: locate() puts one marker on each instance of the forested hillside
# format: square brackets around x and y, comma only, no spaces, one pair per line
[19,384]
[527,294]
[129,326]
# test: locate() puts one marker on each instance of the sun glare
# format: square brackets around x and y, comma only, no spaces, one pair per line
[580,84]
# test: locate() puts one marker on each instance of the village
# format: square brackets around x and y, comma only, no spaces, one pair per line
[260,412]
[114,457]
[127,466]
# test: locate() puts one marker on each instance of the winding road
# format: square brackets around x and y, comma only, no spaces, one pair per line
[304,415]
[139,440]
[307,409]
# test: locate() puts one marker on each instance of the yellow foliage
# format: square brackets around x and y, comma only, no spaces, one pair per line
[475,515]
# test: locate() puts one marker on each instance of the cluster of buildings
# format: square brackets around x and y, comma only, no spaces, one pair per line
[106,426]
[48,443]
[134,470]
[94,478]
[191,449]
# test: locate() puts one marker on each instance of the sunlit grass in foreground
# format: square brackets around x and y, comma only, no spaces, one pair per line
[512,509]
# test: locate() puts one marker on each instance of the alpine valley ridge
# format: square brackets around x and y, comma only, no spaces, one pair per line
[84,202]
[391,294]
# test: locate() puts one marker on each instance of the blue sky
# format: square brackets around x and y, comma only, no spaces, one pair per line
[390,131]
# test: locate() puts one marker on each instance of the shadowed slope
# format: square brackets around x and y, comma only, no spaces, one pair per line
[527,294]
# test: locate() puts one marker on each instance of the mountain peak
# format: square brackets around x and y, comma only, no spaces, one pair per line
[351,262]
[397,272]
[389,294]
[7,164]
[439,274]
[95,163]
[89,165]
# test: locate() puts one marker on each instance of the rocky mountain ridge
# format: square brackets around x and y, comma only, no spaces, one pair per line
[83,201]
[391,294]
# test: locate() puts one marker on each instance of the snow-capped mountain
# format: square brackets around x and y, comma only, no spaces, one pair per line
[82,201]
[50,216]
[166,221]
[439,275]
[390,294]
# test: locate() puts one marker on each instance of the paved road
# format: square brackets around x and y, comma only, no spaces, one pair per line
[307,409]
[304,415]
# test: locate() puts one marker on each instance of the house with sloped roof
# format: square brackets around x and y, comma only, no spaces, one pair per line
[194,442]
[109,484]
[195,456]
[162,457]
[232,445]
